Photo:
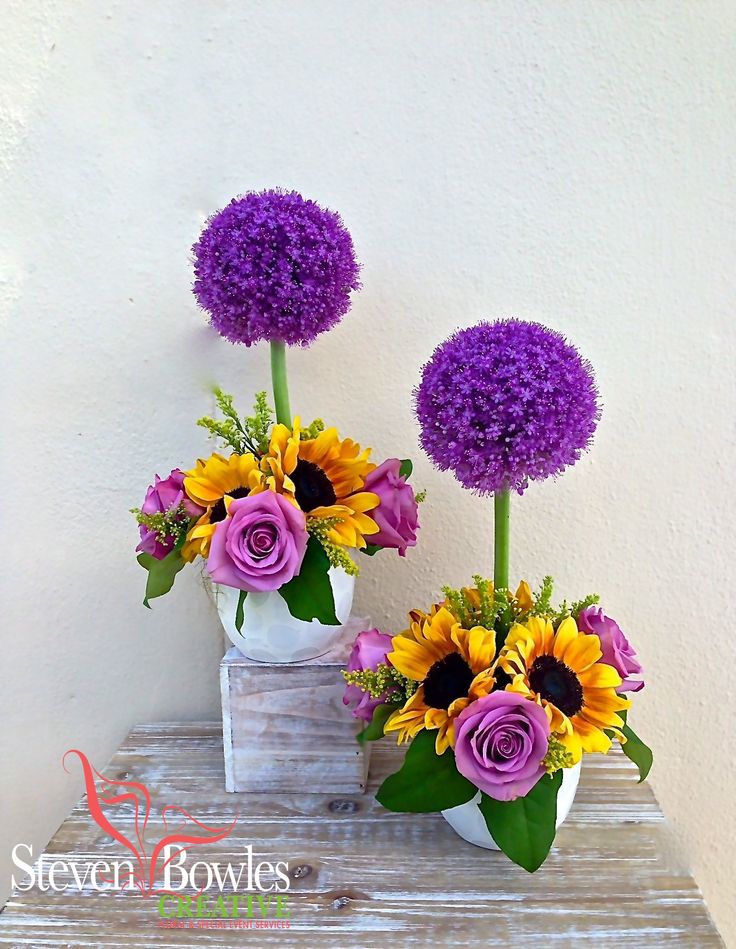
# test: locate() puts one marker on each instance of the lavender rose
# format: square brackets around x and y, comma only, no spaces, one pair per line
[616,648]
[165,494]
[397,514]
[260,545]
[500,741]
[369,652]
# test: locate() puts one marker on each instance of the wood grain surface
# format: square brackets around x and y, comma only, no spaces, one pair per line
[285,726]
[363,877]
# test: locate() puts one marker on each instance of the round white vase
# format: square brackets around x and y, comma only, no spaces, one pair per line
[270,633]
[468,821]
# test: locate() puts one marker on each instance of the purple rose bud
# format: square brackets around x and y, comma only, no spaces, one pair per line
[260,545]
[369,652]
[397,514]
[163,495]
[616,648]
[500,742]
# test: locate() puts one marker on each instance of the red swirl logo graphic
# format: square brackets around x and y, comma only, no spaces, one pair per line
[147,868]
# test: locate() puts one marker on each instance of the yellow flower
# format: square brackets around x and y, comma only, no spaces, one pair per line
[523,597]
[521,601]
[325,475]
[561,670]
[451,664]
[209,484]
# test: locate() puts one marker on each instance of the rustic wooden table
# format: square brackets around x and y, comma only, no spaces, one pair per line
[362,877]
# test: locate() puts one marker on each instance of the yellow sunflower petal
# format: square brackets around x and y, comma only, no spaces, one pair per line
[582,652]
[435,718]
[409,720]
[482,684]
[600,719]
[411,659]
[439,628]
[364,501]
[567,633]
[209,481]
[523,597]
[519,685]
[445,737]
[574,745]
[600,676]
[477,646]
[605,700]
[457,706]
[592,739]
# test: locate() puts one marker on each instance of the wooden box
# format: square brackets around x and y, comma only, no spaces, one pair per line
[285,727]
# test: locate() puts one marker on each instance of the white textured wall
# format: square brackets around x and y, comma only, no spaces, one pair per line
[565,162]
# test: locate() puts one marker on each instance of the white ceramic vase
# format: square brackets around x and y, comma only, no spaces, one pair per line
[467,820]
[271,634]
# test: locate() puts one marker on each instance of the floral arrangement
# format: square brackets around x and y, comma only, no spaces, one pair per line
[500,693]
[285,502]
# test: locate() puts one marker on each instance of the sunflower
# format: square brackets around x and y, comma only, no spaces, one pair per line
[207,484]
[325,475]
[451,664]
[561,670]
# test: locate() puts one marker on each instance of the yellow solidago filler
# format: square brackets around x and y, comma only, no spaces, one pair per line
[479,605]
[561,670]
[452,667]
[325,476]
[209,484]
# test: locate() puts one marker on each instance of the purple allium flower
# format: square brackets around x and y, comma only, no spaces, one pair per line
[274,266]
[501,404]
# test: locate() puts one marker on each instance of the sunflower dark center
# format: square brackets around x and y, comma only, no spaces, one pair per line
[448,679]
[218,508]
[557,683]
[313,487]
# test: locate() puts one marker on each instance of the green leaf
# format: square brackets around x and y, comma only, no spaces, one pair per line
[309,595]
[406,468]
[426,781]
[370,549]
[240,610]
[374,729]
[635,749]
[161,573]
[525,828]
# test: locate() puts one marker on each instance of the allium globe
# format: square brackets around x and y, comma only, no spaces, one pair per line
[274,266]
[502,404]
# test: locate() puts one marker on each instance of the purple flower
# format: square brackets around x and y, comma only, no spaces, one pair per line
[274,266]
[501,404]
[165,494]
[616,648]
[260,545]
[500,742]
[397,515]
[369,651]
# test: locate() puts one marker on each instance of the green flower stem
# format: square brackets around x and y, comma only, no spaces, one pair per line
[501,531]
[280,384]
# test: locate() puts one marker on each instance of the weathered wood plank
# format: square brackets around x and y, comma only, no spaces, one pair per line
[285,726]
[362,877]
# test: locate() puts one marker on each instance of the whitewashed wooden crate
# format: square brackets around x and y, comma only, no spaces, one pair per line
[285,727]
